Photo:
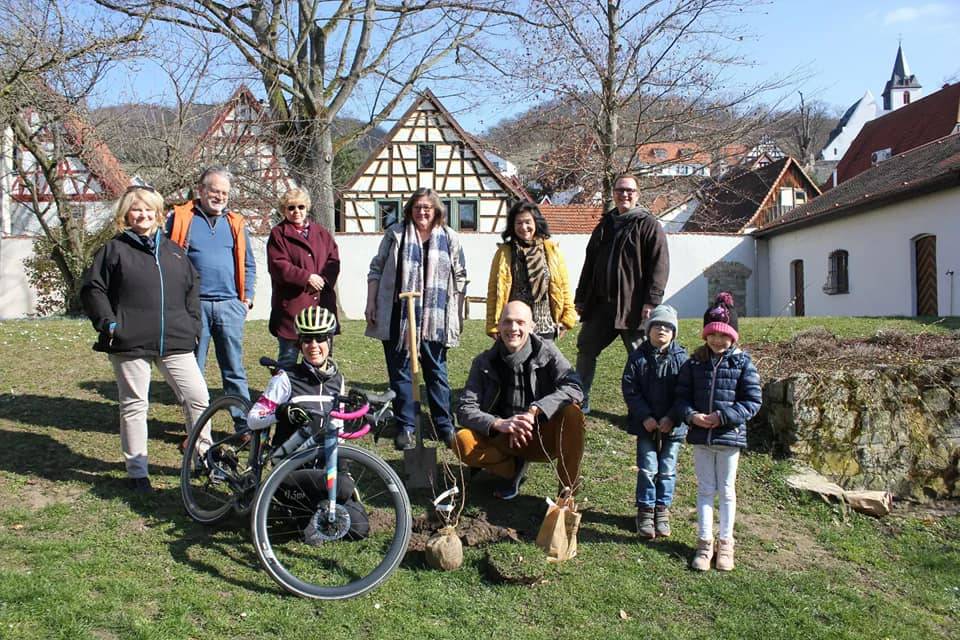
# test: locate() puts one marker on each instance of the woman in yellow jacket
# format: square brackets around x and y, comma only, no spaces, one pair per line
[528,267]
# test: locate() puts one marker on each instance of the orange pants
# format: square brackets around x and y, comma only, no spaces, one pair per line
[560,438]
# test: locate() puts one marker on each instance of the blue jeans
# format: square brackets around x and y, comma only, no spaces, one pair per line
[433,367]
[288,352]
[223,320]
[657,475]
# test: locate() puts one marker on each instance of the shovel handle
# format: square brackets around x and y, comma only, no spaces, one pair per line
[413,345]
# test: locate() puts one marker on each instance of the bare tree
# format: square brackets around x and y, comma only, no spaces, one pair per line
[632,73]
[48,63]
[312,57]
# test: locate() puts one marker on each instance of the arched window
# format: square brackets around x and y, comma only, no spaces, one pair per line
[838,279]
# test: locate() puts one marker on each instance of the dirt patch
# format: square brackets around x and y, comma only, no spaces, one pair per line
[473,531]
[790,549]
[36,493]
[818,350]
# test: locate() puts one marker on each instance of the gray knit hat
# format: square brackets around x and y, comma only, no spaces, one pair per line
[664,314]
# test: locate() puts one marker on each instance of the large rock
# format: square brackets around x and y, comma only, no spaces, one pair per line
[891,428]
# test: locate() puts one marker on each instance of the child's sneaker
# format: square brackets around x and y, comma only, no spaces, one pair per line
[701,560]
[661,518]
[725,555]
[645,523]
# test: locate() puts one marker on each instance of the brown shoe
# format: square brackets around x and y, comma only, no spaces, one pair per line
[661,519]
[701,560]
[725,555]
[645,527]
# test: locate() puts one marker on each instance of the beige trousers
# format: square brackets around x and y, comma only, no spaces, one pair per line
[133,384]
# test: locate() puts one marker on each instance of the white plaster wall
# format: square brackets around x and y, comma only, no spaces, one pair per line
[880,263]
[17,297]
[686,289]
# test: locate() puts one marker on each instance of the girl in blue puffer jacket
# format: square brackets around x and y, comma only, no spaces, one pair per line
[718,391]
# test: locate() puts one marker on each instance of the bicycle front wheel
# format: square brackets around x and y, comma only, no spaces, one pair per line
[310,556]
[219,474]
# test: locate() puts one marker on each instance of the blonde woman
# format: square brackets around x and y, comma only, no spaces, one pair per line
[304,262]
[142,295]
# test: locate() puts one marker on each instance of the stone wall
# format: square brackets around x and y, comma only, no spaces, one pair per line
[893,428]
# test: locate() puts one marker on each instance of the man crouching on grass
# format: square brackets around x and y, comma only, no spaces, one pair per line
[521,405]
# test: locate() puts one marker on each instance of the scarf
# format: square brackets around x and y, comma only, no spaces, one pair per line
[516,395]
[431,306]
[529,265]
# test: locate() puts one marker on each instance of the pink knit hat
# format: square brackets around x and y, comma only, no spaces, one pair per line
[721,317]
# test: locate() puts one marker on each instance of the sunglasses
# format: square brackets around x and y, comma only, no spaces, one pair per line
[312,339]
[139,187]
[296,207]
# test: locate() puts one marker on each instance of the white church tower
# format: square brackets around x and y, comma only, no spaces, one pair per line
[903,87]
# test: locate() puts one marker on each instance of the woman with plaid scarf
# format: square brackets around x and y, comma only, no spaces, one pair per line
[420,254]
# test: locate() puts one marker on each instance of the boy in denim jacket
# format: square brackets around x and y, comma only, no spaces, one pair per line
[649,389]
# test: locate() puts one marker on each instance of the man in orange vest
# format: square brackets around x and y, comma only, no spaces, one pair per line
[218,245]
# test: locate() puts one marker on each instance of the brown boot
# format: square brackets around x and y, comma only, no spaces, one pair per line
[661,518]
[725,555]
[701,560]
[645,527]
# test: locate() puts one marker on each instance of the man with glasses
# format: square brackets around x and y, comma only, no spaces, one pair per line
[217,243]
[623,278]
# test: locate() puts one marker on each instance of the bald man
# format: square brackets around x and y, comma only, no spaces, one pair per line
[521,405]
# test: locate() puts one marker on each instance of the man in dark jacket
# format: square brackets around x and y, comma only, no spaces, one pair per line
[520,404]
[623,278]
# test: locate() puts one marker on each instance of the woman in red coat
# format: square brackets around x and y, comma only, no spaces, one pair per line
[304,263]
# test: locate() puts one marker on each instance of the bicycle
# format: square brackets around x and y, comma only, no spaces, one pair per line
[330,521]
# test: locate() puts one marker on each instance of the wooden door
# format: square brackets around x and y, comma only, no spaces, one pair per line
[796,273]
[926,269]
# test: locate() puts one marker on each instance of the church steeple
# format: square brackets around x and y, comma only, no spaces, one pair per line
[902,87]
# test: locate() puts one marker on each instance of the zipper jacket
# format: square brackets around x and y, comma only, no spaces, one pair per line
[649,387]
[553,381]
[152,296]
[728,385]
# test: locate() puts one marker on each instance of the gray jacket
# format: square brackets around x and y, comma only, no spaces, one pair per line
[383,269]
[554,382]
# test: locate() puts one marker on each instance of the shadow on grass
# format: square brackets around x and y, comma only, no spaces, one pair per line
[595,525]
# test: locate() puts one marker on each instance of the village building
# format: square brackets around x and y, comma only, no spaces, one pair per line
[901,89]
[428,148]
[880,243]
[745,197]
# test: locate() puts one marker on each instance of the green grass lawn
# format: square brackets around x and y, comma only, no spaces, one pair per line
[82,558]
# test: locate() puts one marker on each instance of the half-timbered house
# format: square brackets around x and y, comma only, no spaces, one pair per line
[428,148]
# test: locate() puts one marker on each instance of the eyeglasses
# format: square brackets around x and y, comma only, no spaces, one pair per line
[423,207]
[625,191]
[296,207]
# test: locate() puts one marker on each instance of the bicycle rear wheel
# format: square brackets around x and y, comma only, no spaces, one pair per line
[312,559]
[219,476]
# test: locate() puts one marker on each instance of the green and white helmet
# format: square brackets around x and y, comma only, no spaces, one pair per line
[315,321]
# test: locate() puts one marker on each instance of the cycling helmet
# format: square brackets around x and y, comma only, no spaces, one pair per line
[315,321]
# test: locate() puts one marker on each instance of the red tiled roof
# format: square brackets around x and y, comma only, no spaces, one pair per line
[910,126]
[97,157]
[927,168]
[673,152]
[574,218]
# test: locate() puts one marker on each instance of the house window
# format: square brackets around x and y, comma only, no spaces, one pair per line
[906,97]
[426,157]
[684,170]
[388,212]
[448,208]
[660,153]
[838,280]
[467,215]
[799,197]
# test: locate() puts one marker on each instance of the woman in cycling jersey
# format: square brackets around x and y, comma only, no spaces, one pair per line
[298,395]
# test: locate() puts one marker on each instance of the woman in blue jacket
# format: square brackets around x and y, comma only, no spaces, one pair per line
[717,393]
[142,295]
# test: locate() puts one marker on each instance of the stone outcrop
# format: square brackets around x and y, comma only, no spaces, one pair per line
[893,428]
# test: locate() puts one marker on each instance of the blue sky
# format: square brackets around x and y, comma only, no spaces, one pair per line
[840,47]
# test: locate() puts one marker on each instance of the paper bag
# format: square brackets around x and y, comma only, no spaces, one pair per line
[558,533]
